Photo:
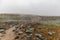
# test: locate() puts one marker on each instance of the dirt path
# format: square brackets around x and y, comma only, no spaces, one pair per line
[9,35]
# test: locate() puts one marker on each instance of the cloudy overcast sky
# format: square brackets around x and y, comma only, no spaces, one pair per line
[35,7]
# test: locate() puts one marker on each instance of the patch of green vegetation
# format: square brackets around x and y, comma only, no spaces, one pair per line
[50,23]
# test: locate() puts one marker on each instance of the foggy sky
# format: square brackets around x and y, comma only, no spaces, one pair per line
[35,7]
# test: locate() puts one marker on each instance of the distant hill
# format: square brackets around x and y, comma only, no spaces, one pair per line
[23,17]
[19,17]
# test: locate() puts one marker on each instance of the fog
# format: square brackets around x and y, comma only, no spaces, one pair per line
[34,7]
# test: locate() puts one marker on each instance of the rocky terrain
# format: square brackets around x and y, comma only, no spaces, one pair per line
[29,27]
